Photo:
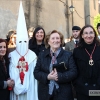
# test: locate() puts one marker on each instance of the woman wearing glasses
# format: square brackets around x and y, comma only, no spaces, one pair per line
[87,59]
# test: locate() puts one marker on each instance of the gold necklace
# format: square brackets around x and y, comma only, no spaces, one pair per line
[91,62]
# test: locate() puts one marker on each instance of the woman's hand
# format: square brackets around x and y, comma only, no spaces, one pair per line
[56,74]
[10,83]
[53,75]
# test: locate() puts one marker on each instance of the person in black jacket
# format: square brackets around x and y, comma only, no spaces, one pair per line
[87,59]
[5,82]
[36,43]
[55,84]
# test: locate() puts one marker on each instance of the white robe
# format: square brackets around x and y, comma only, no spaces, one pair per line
[27,91]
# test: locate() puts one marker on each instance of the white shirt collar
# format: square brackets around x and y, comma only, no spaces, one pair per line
[99,36]
[75,40]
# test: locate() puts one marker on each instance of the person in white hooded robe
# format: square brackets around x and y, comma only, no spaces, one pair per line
[22,63]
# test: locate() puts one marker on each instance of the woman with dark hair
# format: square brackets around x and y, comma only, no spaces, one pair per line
[36,43]
[87,59]
[55,69]
[5,81]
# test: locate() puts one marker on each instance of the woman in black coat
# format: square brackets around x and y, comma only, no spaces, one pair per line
[87,59]
[5,82]
[55,69]
[36,43]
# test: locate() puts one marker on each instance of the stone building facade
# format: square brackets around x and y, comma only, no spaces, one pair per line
[50,14]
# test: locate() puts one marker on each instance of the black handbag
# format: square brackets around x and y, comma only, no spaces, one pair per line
[60,67]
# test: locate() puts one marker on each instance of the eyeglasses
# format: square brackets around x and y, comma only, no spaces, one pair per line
[90,33]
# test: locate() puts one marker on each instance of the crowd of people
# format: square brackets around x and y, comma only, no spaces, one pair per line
[57,74]
[34,66]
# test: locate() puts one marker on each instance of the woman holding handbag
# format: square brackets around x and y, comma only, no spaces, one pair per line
[55,69]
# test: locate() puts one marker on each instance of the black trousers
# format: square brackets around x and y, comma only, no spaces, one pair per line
[51,98]
[84,97]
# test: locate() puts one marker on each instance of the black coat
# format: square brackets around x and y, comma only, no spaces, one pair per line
[4,93]
[36,48]
[88,76]
[41,72]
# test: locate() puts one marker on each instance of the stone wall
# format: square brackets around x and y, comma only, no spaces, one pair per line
[8,16]
[50,14]
[94,6]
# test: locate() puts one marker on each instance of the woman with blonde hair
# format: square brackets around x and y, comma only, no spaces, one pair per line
[30,32]
[11,38]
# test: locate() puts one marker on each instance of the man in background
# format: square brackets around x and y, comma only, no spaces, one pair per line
[69,46]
